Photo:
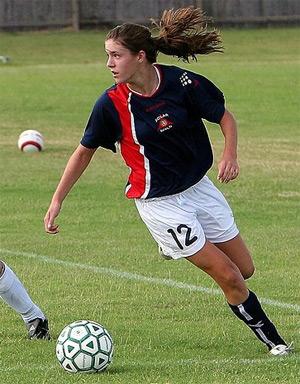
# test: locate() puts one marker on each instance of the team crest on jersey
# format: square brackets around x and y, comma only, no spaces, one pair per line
[163,122]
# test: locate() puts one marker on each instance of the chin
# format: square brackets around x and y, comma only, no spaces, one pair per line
[118,81]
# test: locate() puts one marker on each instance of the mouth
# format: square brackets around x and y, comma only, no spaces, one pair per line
[115,74]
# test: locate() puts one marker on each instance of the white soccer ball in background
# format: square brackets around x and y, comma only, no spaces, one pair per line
[84,346]
[31,141]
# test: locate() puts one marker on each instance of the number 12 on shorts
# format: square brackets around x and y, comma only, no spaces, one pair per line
[181,229]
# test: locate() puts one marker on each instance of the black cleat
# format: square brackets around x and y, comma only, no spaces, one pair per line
[38,329]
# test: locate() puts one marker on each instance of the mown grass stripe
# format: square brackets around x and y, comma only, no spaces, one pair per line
[141,278]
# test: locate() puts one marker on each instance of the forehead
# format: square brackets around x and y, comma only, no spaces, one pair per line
[114,46]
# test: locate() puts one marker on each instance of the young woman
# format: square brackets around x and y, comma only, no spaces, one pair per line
[154,114]
[14,294]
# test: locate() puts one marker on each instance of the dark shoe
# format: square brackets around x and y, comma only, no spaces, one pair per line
[38,329]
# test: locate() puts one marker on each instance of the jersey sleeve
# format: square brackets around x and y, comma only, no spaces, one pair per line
[103,128]
[203,97]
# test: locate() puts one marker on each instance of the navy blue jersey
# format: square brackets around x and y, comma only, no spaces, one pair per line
[162,138]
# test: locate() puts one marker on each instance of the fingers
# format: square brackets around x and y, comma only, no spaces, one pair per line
[49,225]
[221,172]
[52,229]
[228,176]
[227,172]
[231,176]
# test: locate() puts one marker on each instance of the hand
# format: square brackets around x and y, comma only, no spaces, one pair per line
[228,170]
[52,213]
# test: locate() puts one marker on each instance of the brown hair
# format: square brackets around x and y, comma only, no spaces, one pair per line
[182,33]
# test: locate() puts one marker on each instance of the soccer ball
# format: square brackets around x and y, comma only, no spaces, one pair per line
[31,141]
[84,346]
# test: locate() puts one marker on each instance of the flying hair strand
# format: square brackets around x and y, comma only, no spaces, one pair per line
[184,33]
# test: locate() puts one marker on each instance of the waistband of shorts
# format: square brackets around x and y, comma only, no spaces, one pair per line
[174,195]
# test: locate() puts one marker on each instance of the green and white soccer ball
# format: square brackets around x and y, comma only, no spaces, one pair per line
[84,346]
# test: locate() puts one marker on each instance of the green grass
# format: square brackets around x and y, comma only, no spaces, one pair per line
[162,334]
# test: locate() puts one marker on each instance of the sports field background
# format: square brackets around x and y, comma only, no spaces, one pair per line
[169,324]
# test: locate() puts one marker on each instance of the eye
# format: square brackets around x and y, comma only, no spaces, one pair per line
[116,56]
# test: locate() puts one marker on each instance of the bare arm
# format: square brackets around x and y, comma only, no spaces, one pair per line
[228,166]
[76,165]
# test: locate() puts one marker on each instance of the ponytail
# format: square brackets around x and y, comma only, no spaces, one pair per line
[183,33]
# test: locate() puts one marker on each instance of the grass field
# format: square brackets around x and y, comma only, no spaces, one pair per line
[169,324]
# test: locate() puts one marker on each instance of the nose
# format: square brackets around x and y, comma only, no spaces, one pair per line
[110,62]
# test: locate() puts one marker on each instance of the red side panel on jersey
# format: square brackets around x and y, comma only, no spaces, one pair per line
[131,150]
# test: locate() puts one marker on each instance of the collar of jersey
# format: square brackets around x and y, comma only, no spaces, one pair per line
[158,72]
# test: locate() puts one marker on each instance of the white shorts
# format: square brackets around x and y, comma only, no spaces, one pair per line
[181,223]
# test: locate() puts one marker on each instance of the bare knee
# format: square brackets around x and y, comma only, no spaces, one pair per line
[233,286]
[248,268]
[232,279]
[248,271]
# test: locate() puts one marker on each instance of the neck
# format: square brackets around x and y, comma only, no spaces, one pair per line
[145,82]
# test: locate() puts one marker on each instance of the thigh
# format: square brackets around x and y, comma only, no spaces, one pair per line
[239,254]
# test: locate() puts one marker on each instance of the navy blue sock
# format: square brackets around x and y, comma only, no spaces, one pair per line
[251,313]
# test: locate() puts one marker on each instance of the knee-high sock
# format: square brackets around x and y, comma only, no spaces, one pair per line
[14,294]
[251,313]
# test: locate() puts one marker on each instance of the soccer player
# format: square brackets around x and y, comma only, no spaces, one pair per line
[14,294]
[154,114]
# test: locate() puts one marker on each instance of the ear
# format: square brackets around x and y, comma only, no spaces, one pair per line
[141,56]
